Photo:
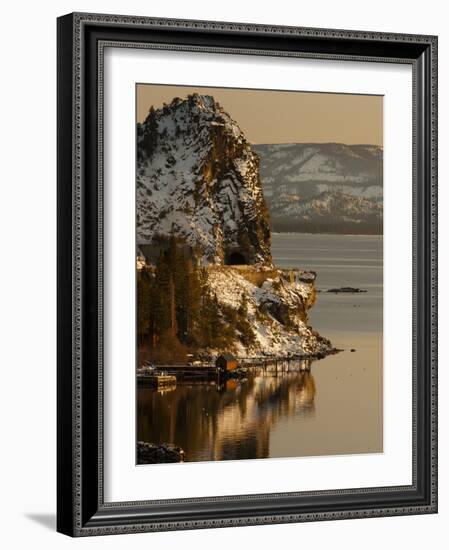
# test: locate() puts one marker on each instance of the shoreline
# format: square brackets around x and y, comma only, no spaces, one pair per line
[254,360]
[327,234]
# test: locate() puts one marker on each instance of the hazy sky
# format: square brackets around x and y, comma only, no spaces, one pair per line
[267,116]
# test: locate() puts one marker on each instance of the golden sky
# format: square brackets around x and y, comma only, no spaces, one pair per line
[267,116]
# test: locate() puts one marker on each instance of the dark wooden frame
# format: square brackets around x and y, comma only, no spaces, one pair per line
[81,507]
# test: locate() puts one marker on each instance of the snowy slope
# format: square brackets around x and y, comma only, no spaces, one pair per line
[323,187]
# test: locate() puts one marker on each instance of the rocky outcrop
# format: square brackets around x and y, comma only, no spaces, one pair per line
[199,191]
[198,178]
[149,453]
[277,304]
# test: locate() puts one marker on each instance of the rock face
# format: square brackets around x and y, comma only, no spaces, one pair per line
[323,187]
[198,178]
[277,305]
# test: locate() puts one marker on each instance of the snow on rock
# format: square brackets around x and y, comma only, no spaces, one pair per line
[277,311]
[323,187]
[330,205]
[198,178]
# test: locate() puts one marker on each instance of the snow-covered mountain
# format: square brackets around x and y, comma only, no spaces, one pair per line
[198,178]
[327,187]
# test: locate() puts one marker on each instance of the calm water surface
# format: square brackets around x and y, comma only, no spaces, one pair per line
[336,408]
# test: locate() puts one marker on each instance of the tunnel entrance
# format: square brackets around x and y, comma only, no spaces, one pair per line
[236,258]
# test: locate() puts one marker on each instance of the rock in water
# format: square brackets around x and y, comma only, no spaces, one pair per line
[149,453]
[198,179]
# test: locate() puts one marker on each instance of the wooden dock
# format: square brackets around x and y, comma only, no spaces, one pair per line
[208,371]
[275,367]
[203,372]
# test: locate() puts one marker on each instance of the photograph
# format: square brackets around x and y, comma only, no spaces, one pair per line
[259,274]
[246,273]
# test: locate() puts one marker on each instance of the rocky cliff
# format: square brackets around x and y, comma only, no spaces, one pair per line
[277,305]
[200,199]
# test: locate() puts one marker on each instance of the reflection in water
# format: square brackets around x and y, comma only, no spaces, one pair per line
[226,422]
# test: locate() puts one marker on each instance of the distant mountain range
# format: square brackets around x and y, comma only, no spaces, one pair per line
[325,187]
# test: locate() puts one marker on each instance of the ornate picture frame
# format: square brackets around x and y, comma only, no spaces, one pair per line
[81,508]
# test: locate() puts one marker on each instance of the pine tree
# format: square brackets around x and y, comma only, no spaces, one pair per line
[192,301]
[151,132]
[143,306]
[215,320]
[243,308]
[161,297]
[243,325]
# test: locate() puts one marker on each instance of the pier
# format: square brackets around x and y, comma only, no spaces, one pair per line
[276,366]
[163,375]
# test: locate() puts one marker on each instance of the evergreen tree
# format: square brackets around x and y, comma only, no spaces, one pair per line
[243,308]
[151,132]
[178,312]
[144,284]
[215,319]
[192,301]
[243,325]
[161,297]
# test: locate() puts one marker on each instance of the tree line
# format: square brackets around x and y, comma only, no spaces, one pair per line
[179,314]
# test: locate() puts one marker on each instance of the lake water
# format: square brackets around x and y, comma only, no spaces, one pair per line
[336,408]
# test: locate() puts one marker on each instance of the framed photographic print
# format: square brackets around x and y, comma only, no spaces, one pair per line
[246,274]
